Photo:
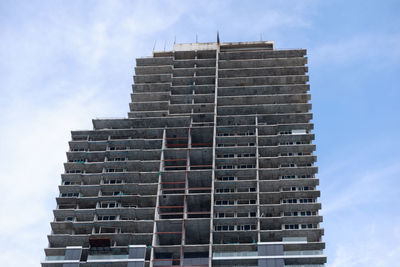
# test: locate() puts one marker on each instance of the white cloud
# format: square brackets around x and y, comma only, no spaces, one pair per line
[33,150]
[357,199]
[360,188]
[369,249]
[60,71]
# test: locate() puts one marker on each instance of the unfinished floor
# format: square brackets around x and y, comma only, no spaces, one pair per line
[214,166]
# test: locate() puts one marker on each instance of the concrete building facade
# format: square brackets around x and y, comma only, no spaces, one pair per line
[214,166]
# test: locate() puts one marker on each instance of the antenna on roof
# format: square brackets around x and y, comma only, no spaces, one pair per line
[154,47]
[260,36]
[165,44]
[217,37]
[196,37]
[174,39]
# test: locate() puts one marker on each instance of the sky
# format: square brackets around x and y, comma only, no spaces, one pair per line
[64,63]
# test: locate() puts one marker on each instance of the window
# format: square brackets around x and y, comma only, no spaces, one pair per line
[108,205]
[246,227]
[225,202]
[288,177]
[225,134]
[226,178]
[130,206]
[286,143]
[114,193]
[294,143]
[246,201]
[74,171]
[71,183]
[306,200]
[114,170]
[245,155]
[224,190]
[246,166]
[299,213]
[291,226]
[288,165]
[79,138]
[113,181]
[305,165]
[285,132]
[252,189]
[107,218]
[69,219]
[243,227]
[289,201]
[78,149]
[116,159]
[77,160]
[224,167]
[299,226]
[70,195]
[224,227]
[118,148]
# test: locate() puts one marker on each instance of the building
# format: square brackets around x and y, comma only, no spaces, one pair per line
[214,166]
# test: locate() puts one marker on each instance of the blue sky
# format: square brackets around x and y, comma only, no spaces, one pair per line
[66,62]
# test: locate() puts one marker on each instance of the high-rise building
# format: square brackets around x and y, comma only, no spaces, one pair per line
[214,166]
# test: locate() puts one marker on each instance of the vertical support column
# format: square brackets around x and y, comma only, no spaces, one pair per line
[186,191]
[258,183]
[213,156]
[156,215]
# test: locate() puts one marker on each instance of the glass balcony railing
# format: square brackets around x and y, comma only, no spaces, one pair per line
[303,252]
[294,239]
[306,265]
[107,257]
[55,258]
[235,254]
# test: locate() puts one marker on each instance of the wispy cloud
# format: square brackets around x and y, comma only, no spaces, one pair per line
[58,71]
[359,188]
[370,248]
[358,199]
[31,161]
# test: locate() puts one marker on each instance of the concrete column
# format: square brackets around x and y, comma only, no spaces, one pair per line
[213,156]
